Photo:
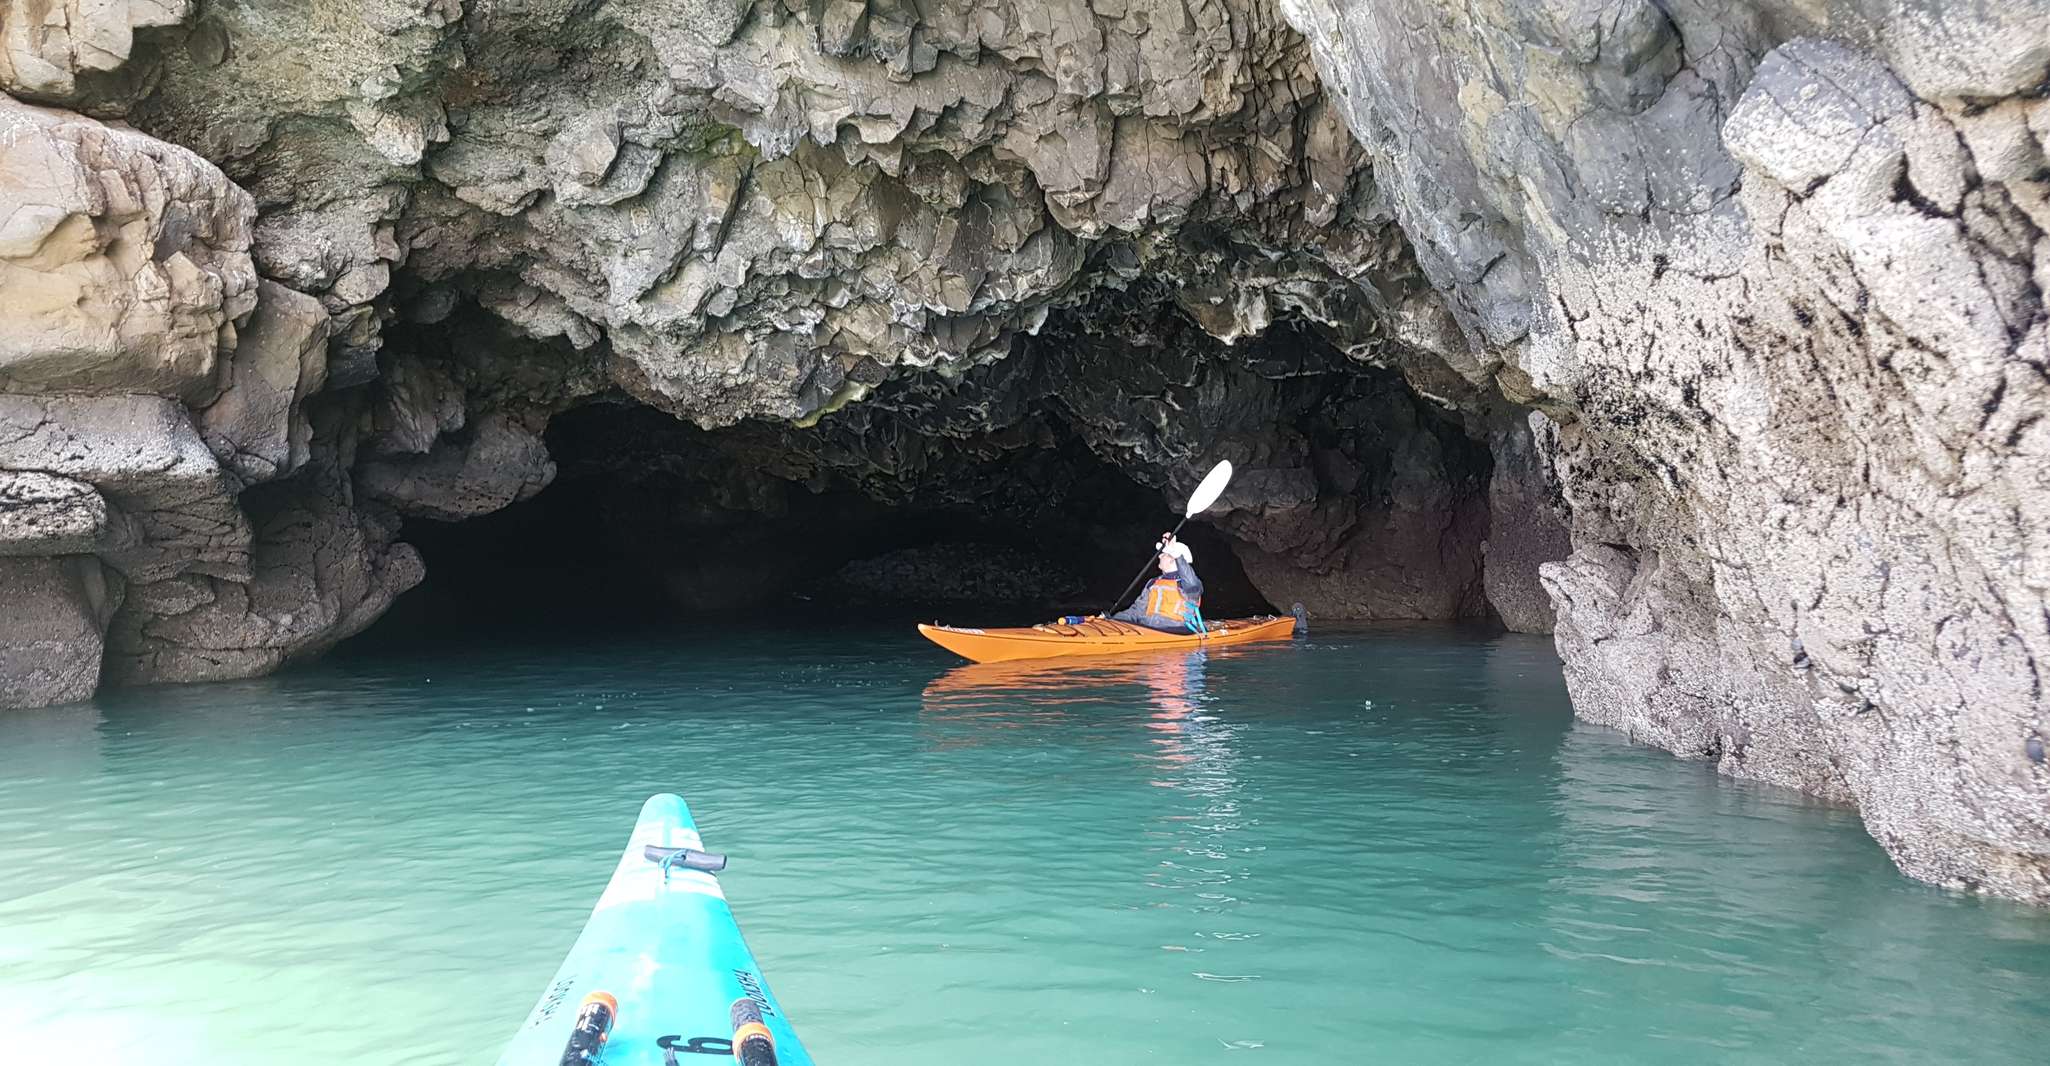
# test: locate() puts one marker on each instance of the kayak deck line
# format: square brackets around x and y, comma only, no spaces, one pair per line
[1097,636]
[660,967]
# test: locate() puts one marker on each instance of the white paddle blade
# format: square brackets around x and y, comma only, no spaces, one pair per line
[1208,492]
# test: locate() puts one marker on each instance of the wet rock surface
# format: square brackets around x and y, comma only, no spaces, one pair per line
[1740,304]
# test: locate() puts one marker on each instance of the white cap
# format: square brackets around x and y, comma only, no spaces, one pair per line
[1181,551]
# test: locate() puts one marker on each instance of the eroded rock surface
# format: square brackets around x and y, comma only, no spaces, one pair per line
[124,259]
[148,379]
[48,46]
[43,514]
[323,565]
[51,632]
[1777,272]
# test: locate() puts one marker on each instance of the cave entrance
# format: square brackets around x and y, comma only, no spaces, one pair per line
[652,521]
[1007,494]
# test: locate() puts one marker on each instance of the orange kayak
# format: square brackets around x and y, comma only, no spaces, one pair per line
[1096,636]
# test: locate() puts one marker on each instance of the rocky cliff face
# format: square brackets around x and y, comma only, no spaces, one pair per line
[1777,271]
[1752,291]
[171,505]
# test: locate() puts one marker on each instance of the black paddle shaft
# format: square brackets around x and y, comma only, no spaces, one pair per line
[1155,559]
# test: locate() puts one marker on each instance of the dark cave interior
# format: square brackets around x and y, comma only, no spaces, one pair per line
[1007,494]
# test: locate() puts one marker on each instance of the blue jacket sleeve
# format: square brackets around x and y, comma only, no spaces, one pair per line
[1185,576]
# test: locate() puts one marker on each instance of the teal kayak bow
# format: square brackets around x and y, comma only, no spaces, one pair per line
[660,975]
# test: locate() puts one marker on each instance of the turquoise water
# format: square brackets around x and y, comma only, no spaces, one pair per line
[1380,846]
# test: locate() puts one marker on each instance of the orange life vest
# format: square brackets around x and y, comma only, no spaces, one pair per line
[1164,598]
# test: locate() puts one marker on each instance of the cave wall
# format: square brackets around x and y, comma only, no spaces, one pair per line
[1777,272]
[1752,289]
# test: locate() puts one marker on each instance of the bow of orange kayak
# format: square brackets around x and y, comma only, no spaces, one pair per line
[659,969]
[975,645]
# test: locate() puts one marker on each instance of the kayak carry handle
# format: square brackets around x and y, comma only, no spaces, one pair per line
[688,858]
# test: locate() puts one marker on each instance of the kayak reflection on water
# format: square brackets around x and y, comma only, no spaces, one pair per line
[982,703]
[1177,686]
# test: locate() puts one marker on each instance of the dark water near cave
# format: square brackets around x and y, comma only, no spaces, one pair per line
[1379,846]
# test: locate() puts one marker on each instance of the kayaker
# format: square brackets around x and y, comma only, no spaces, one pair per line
[1171,602]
